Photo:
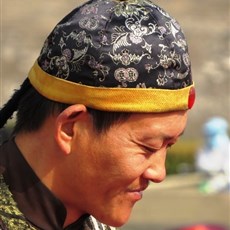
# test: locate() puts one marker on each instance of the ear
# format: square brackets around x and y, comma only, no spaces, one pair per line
[64,127]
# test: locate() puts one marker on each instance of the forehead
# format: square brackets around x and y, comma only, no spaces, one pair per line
[167,124]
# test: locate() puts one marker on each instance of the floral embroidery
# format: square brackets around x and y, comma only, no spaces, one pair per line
[126,58]
[138,31]
[131,9]
[89,9]
[11,216]
[89,23]
[99,68]
[162,79]
[133,33]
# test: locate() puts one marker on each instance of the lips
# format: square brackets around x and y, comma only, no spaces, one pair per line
[137,194]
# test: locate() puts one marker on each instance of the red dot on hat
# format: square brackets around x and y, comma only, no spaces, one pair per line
[191,97]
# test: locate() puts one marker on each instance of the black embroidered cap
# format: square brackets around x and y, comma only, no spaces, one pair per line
[116,56]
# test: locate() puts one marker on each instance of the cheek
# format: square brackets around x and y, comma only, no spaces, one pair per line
[124,168]
[114,161]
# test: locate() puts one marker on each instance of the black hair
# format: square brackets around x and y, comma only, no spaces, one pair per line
[12,105]
[32,110]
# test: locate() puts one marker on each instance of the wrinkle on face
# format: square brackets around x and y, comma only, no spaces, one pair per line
[126,157]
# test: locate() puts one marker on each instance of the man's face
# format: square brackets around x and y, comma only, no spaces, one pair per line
[109,171]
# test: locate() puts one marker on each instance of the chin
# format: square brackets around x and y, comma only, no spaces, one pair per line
[116,223]
[118,220]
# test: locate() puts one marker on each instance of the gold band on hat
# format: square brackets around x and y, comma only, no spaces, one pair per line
[109,99]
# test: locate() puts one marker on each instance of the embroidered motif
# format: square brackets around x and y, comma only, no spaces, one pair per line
[89,23]
[10,215]
[126,75]
[100,70]
[132,33]
[138,31]
[162,79]
[126,58]
[11,218]
[133,8]
[89,9]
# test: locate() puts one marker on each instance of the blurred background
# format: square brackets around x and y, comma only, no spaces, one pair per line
[178,201]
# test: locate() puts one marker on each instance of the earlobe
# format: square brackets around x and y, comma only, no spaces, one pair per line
[64,130]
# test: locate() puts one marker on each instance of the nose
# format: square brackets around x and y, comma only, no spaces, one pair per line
[155,175]
[155,170]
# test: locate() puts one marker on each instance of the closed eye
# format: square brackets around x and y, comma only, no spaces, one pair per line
[148,149]
[152,150]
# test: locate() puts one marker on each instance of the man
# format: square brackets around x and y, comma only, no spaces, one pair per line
[107,96]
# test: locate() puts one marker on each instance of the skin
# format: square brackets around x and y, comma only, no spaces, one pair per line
[101,174]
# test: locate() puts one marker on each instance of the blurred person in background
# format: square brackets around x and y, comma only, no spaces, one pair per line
[107,96]
[213,157]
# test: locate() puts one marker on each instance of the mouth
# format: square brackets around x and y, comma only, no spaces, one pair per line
[137,194]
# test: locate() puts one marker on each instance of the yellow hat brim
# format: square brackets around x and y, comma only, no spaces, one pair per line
[110,99]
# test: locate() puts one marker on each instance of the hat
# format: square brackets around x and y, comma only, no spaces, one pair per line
[127,56]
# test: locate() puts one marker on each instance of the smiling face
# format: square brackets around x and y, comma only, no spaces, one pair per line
[110,170]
